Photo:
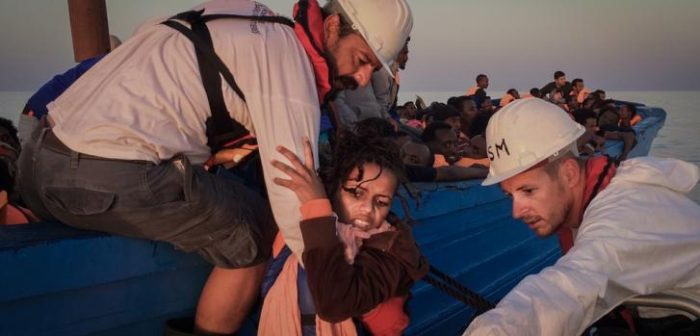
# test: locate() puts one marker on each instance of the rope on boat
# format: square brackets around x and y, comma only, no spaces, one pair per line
[452,287]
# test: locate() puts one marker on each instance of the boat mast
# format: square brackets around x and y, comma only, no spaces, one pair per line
[89,28]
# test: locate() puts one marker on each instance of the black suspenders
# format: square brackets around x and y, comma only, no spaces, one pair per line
[222,130]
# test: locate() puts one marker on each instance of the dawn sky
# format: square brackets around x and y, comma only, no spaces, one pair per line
[612,45]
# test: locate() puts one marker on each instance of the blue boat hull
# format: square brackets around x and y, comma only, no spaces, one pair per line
[61,281]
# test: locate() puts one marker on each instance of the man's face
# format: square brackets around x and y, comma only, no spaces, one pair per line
[579,86]
[625,112]
[408,112]
[483,83]
[541,201]
[592,124]
[351,56]
[454,122]
[446,141]
[608,118]
[415,154]
[561,81]
[411,107]
[405,113]
[487,105]
[469,110]
[365,204]
[558,97]
[572,103]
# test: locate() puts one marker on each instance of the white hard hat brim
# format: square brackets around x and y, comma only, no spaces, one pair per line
[492,179]
[536,130]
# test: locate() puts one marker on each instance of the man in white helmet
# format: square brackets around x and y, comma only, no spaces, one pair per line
[625,230]
[130,141]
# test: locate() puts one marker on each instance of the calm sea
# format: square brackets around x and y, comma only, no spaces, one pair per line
[679,138]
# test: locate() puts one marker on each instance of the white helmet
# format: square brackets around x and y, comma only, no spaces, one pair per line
[384,24]
[525,133]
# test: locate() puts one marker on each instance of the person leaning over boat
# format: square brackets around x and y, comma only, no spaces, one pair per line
[631,230]
[559,82]
[129,138]
[482,82]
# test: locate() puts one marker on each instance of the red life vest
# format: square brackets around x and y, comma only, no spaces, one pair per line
[308,26]
[599,171]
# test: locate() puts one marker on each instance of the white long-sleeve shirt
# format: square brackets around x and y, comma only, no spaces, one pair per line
[640,235]
[145,100]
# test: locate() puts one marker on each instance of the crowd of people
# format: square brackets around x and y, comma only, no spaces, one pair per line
[283,161]
[451,134]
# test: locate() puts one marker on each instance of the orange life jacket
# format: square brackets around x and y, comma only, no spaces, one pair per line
[635,120]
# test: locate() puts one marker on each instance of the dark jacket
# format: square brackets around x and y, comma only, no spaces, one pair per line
[565,90]
[386,266]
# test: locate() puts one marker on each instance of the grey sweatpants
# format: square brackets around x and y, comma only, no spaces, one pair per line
[228,224]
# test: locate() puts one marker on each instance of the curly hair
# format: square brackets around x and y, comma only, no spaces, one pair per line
[354,151]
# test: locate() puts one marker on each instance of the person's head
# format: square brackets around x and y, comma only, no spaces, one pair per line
[557,97]
[426,117]
[359,38]
[587,119]
[478,125]
[415,154]
[466,107]
[447,114]
[559,78]
[535,92]
[591,102]
[544,196]
[514,93]
[440,138]
[600,94]
[375,127]
[572,102]
[486,105]
[408,111]
[362,178]
[534,157]
[405,113]
[608,117]
[577,84]
[482,81]
[627,111]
